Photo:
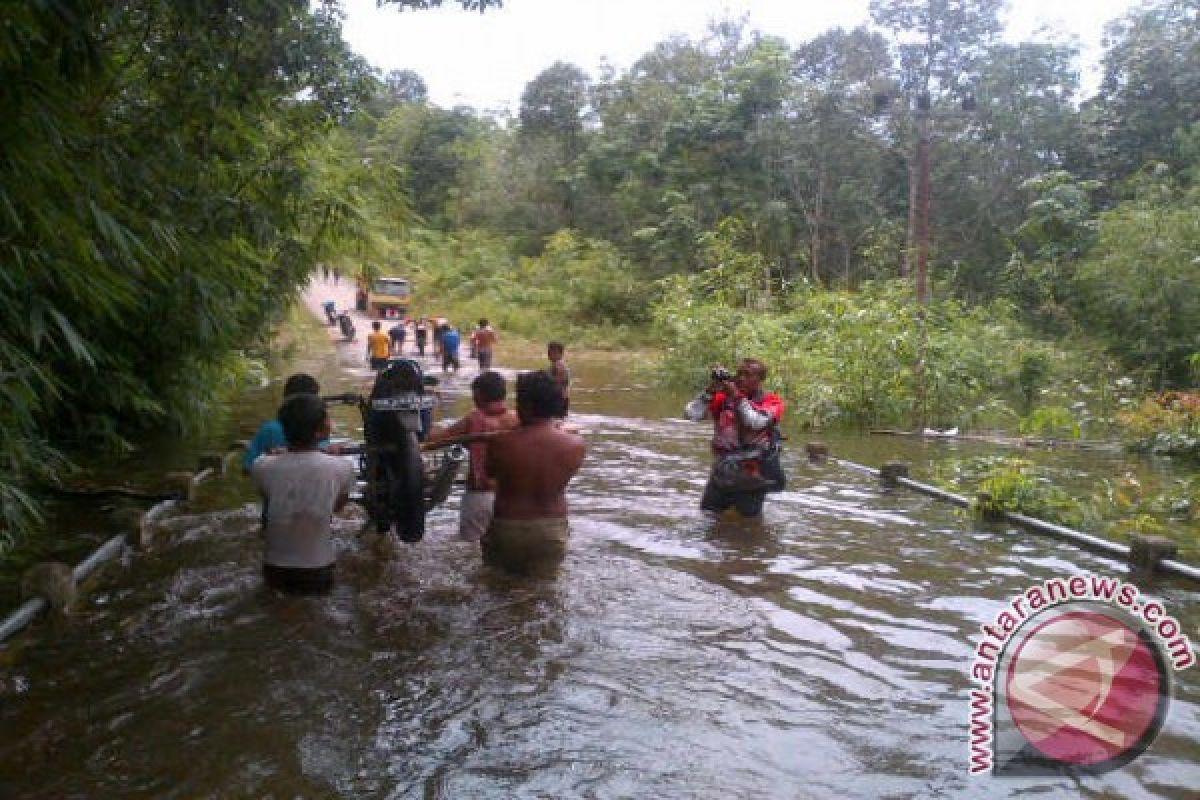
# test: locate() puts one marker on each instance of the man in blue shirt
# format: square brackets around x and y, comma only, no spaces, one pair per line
[270,433]
[450,343]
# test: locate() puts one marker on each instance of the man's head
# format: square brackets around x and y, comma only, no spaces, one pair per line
[538,397]
[375,325]
[305,421]
[750,375]
[555,350]
[488,387]
[301,383]
[483,323]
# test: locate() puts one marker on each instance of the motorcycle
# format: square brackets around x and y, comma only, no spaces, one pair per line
[401,484]
[346,325]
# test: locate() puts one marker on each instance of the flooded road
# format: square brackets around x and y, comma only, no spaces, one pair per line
[820,653]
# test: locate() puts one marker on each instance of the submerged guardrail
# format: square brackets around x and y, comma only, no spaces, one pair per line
[1148,553]
[187,485]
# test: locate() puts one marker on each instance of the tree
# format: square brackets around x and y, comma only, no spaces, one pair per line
[1137,287]
[551,135]
[1151,86]
[155,187]
[940,44]
[405,87]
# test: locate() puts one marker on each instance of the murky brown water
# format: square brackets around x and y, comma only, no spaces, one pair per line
[821,653]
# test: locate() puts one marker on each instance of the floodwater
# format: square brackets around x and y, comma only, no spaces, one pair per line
[821,653]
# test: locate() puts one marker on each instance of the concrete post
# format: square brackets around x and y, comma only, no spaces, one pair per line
[1146,551]
[890,471]
[817,452]
[211,461]
[183,483]
[983,505]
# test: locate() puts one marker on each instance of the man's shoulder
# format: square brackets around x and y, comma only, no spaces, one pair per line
[270,427]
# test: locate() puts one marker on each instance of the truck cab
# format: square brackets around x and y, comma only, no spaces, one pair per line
[389,298]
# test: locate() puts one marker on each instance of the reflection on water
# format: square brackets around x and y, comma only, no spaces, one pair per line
[820,652]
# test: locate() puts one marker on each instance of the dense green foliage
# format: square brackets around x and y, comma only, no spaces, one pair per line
[166,183]
[1116,507]
[1078,217]
[851,357]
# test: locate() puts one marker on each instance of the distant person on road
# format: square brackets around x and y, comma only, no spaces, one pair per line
[379,347]
[325,271]
[490,415]
[531,467]
[483,341]
[451,341]
[439,328]
[397,334]
[421,334]
[560,373]
[301,489]
[337,275]
[745,443]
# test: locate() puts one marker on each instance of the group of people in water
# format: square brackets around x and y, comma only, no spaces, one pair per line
[514,504]
[520,460]
[447,341]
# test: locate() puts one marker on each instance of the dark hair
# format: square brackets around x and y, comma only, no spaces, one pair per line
[483,323]
[538,394]
[375,325]
[302,416]
[555,346]
[489,385]
[301,383]
[757,366]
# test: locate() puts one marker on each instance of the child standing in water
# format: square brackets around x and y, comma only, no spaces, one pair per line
[560,373]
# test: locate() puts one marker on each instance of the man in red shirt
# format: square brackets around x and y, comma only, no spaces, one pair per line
[745,440]
[490,415]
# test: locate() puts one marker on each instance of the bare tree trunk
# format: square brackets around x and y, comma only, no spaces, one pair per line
[815,241]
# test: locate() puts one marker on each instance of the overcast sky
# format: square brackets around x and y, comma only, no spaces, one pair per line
[485,60]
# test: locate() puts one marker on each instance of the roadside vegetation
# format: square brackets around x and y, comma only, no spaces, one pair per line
[1152,502]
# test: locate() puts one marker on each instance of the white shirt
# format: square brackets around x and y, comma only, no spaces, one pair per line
[301,490]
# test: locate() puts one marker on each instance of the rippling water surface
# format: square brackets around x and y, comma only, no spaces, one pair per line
[822,652]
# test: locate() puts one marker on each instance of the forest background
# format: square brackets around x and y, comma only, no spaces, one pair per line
[172,172]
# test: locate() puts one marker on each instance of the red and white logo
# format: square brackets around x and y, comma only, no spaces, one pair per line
[1080,687]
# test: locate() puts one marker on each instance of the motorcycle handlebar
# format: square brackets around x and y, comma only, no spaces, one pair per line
[347,398]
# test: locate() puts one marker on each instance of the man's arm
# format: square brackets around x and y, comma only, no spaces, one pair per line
[343,495]
[757,416]
[698,408]
[459,428]
[266,438]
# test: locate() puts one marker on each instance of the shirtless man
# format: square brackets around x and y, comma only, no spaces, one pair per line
[532,466]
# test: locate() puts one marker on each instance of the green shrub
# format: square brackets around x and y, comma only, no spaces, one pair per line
[1052,422]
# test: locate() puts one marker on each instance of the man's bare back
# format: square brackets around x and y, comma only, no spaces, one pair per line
[532,466]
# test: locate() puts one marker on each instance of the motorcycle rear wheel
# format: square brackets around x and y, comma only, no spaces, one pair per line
[408,490]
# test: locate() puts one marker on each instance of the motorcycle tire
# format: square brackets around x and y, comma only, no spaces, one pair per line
[408,491]
[377,498]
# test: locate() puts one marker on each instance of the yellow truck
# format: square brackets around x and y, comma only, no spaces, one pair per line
[389,298]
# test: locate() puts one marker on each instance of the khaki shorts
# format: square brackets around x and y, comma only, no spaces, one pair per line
[475,514]
[526,545]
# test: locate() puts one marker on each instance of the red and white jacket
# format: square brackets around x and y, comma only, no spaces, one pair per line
[741,421]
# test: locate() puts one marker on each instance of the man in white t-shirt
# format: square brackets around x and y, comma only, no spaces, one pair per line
[301,489]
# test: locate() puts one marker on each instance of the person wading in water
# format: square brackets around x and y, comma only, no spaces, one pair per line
[491,415]
[532,466]
[745,441]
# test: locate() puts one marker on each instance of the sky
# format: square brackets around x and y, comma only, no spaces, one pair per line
[485,60]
